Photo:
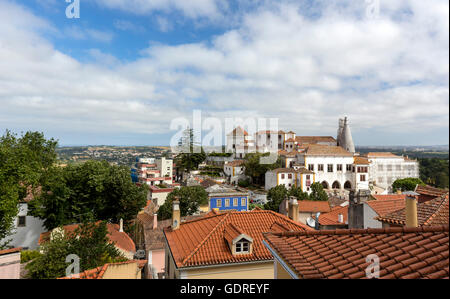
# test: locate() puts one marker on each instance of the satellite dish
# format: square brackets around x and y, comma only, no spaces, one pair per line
[311,222]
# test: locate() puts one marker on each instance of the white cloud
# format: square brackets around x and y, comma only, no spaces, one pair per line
[389,73]
[79,33]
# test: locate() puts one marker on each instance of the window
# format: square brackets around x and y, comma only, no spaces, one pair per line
[362,178]
[349,167]
[389,168]
[290,176]
[398,167]
[339,167]
[235,202]
[282,176]
[219,203]
[320,167]
[330,167]
[311,167]
[243,202]
[21,221]
[380,179]
[243,247]
[381,167]
[227,202]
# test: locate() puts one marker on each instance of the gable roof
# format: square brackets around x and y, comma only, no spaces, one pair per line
[326,150]
[430,191]
[203,242]
[238,131]
[314,139]
[432,212]
[385,207]
[361,160]
[120,239]
[313,206]
[421,252]
[389,196]
[331,218]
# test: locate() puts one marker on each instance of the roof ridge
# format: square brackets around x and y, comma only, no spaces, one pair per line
[284,217]
[444,198]
[403,229]
[197,248]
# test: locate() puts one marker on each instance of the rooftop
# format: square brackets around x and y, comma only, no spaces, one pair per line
[384,207]
[314,139]
[313,206]
[412,253]
[202,242]
[332,218]
[97,273]
[326,150]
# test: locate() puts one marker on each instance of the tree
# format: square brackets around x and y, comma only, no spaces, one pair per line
[191,198]
[94,190]
[275,196]
[24,162]
[406,184]
[89,242]
[435,172]
[257,171]
[192,155]
[298,193]
[317,192]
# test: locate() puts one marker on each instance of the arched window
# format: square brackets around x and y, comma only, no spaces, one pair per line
[348,185]
[325,185]
[336,185]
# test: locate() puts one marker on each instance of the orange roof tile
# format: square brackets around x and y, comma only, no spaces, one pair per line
[382,155]
[361,161]
[326,150]
[384,207]
[11,250]
[314,139]
[203,241]
[433,212]
[332,218]
[235,163]
[389,196]
[120,239]
[403,252]
[430,191]
[313,206]
[97,273]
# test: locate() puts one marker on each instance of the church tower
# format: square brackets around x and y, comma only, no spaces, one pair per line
[344,138]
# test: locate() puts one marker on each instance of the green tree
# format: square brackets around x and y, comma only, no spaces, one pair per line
[317,192]
[435,172]
[406,184]
[191,198]
[192,155]
[94,190]
[275,196]
[89,242]
[298,193]
[257,171]
[24,162]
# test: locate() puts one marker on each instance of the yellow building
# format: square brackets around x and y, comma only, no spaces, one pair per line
[225,245]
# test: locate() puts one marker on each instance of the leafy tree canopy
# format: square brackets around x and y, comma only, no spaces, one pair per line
[89,242]
[406,184]
[94,190]
[275,196]
[190,200]
[24,162]
[257,171]
[317,192]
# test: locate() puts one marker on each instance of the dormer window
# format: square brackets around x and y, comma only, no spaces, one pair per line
[243,246]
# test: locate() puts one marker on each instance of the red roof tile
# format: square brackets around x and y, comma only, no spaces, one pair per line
[97,273]
[421,252]
[433,212]
[389,196]
[203,241]
[430,191]
[313,206]
[332,218]
[384,207]
[9,251]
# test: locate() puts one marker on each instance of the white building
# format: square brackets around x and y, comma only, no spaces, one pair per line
[386,167]
[26,231]
[155,174]
[234,170]
[238,138]
[290,177]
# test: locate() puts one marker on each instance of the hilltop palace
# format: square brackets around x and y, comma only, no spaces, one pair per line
[332,162]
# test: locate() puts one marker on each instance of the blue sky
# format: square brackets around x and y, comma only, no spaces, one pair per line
[126,69]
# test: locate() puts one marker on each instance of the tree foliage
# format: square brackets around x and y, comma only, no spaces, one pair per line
[317,192]
[435,172]
[257,171]
[275,196]
[406,184]
[192,154]
[94,190]
[89,242]
[190,200]
[24,162]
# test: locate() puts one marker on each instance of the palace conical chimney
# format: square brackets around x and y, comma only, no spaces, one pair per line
[345,139]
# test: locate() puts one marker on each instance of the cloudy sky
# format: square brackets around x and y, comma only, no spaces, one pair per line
[125,69]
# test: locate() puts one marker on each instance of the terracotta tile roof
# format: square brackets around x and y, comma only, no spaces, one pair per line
[120,239]
[11,250]
[382,155]
[235,163]
[332,218]
[203,241]
[97,273]
[326,150]
[433,212]
[314,139]
[421,252]
[290,140]
[284,170]
[430,191]
[313,206]
[384,207]
[239,131]
[336,201]
[389,196]
[361,161]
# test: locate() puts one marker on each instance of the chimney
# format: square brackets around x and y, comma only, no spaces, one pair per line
[341,218]
[411,211]
[121,225]
[155,221]
[293,209]
[176,217]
